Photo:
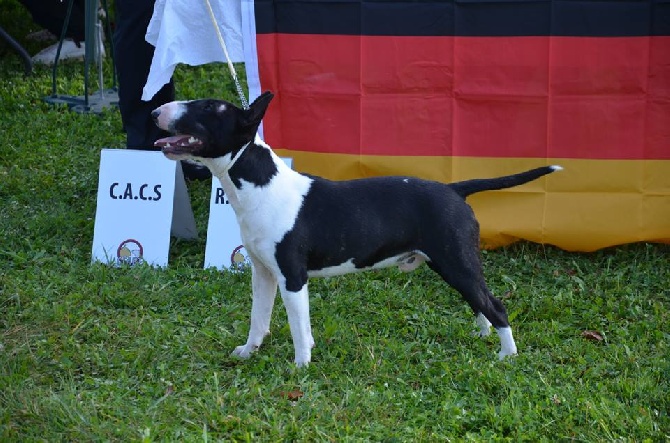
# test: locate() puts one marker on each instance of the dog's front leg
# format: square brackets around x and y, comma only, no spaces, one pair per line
[297,310]
[264,290]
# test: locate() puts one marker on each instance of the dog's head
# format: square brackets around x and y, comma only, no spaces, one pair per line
[208,128]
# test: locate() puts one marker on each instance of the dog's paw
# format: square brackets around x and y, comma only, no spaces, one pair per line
[303,357]
[244,351]
[502,355]
[484,326]
[508,346]
[301,363]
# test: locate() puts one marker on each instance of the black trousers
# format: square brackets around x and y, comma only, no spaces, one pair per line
[133,59]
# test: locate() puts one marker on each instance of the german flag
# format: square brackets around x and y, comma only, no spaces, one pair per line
[452,90]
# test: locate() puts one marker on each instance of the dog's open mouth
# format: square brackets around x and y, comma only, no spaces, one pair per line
[178,144]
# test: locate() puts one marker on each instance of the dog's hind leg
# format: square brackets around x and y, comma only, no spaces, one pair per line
[484,325]
[264,290]
[297,310]
[466,276]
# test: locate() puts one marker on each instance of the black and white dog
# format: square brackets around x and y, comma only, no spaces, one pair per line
[295,226]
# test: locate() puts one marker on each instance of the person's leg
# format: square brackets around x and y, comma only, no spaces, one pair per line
[133,59]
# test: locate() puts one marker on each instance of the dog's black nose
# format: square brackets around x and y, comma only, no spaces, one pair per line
[155,113]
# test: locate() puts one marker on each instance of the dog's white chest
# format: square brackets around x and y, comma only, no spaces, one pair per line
[266,213]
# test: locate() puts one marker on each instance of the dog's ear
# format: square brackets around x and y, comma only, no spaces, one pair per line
[262,100]
[252,117]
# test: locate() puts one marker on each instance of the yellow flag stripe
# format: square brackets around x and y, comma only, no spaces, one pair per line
[589,205]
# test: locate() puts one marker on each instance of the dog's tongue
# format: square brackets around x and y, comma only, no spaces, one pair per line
[177,140]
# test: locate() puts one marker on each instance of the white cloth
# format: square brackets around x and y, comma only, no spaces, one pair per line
[182,32]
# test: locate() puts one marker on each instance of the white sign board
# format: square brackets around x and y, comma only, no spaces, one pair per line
[224,249]
[142,198]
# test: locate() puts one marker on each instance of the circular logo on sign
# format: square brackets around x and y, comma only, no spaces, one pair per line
[130,252]
[239,259]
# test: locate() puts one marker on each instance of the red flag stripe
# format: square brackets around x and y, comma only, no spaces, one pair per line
[526,97]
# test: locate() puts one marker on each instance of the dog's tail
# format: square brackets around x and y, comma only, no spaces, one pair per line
[468,187]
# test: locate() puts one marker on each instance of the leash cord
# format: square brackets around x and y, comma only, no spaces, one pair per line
[233,74]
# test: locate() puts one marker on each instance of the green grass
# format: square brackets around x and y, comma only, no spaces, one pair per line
[93,353]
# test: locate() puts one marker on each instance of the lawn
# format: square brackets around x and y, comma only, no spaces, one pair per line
[95,353]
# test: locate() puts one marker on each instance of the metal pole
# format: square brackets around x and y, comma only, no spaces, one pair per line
[60,45]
